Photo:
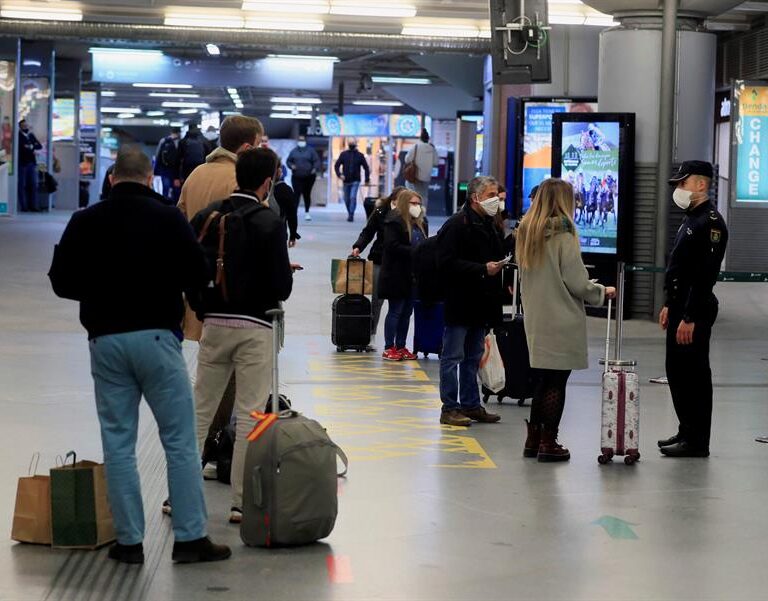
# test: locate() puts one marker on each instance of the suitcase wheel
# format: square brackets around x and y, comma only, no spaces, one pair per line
[629,460]
[521,402]
[603,459]
[426,355]
[339,349]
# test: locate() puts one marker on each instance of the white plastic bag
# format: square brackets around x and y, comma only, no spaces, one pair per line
[492,366]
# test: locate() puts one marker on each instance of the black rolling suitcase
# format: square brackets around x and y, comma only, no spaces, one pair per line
[513,348]
[352,320]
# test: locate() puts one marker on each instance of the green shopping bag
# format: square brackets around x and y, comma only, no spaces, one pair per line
[80,514]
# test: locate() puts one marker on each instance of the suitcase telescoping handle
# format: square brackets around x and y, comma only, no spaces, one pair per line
[277,316]
[608,337]
[619,308]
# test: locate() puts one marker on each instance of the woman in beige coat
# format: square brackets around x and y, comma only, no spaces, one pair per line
[555,286]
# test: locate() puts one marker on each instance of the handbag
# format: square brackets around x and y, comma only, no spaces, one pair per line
[411,172]
[32,515]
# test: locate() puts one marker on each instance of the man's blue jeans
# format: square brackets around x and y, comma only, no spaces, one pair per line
[125,367]
[350,197]
[459,363]
[397,321]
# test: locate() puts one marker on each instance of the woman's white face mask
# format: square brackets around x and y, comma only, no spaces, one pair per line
[491,206]
[415,211]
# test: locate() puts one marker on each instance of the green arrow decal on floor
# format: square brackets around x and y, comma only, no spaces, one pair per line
[616,527]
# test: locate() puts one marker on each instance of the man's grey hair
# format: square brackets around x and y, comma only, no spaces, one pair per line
[132,165]
[479,184]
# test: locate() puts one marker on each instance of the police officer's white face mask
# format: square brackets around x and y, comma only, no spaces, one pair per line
[682,198]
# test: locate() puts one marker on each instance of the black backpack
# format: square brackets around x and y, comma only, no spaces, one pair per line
[224,237]
[194,153]
[426,269]
[168,156]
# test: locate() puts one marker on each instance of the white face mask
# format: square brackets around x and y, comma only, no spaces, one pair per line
[491,206]
[301,144]
[682,198]
[415,211]
[211,135]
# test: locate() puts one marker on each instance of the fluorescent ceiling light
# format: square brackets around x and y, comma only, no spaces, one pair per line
[441,30]
[30,62]
[606,21]
[232,91]
[295,100]
[173,95]
[212,49]
[125,116]
[292,107]
[228,113]
[106,130]
[176,86]
[41,13]
[422,81]
[155,113]
[289,116]
[334,59]
[128,51]
[185,105]
[307,7]
[160,121]
[566,19]
[284,24]
[114,109]
[377,103]
[355,8]
[108,93]
[203,20]
[188,111]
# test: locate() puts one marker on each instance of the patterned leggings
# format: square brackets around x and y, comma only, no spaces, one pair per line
[549,397]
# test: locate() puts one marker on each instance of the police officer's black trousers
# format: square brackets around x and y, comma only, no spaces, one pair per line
[690,381]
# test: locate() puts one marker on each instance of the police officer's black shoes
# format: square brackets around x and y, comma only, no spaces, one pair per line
[684,449]
[670,441]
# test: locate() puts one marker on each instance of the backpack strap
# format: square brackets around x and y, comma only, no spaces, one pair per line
[343,456]
[204,231]
[221,277]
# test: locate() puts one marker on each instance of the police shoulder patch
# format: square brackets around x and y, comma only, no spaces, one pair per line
[713,215]
[715,235]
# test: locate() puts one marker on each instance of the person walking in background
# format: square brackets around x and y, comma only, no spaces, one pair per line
[347,168]
[287,202]
[374,231]
[304,163]
[422,156]
[193,150]
[27,179]
[691,308]
[167,165]
[469,253]
[130,295]
[555,285]
[405,227]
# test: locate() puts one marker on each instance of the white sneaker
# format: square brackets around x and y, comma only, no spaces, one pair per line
[307,217]
[235,515]
[209,472]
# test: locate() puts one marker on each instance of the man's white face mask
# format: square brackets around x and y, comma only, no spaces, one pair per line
[682,198]
[491,206]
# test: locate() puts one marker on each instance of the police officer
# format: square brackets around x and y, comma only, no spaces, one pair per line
[691,308]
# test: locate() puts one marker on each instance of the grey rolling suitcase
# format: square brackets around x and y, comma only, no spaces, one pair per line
[290,476]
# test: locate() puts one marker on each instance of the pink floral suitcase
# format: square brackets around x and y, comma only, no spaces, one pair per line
[620,432]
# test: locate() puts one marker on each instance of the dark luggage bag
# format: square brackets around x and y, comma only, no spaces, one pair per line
[429,324]
[352,319]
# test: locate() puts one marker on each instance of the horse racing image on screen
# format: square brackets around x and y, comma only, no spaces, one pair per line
[590,163]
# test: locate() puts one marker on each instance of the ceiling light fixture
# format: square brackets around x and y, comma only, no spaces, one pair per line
[295,100]
[41,13]
[355,8]
[228,113]
[377,103]
[289,116]
[108,93]
[421,81]
[185,105]
[122,109]
[292,107]
[203,20]
[441,30]
[212,50]
[30,62]
[284,25]
[127,51]
[307,7]
[173,95]
[170,86]
[177,124]
[334,59]
[189,111]
[155,113]
[232,91]
[125,116]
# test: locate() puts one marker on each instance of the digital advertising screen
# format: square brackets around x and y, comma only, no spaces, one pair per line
[596,156]
[537,115]
[750,139]
[63,119]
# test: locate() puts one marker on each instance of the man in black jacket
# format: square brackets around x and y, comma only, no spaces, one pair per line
[304,163]
[27,188]
[237,333]
[469,250]
[347,168]
[127,260]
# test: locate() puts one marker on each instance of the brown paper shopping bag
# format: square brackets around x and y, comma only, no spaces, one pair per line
[80,514]
[32,515]
[352,276]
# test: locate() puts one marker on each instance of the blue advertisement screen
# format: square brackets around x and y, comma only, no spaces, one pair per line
[590,163]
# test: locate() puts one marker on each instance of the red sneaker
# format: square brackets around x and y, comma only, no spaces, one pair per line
[407,355]
[392,354]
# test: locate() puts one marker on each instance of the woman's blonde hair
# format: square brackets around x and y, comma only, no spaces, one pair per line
[403,206]
[388,200]
[554,199]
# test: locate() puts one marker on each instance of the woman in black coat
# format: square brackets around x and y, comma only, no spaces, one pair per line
[405,228]
[374,229]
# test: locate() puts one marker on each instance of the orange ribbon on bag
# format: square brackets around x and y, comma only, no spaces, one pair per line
[265,420]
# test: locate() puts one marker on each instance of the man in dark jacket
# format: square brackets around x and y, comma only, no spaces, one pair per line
[347,168]
[237,333]
[167,165]
[130,294]
[27,188]
[192,151]
[469,250]
[304,164]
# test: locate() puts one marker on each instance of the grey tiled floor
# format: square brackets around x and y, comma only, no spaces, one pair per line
[427,513]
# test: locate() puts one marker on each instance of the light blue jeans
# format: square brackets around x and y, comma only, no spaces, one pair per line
[463,349]
[125,367]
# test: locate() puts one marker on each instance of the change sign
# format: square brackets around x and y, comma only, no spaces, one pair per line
[752,144]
